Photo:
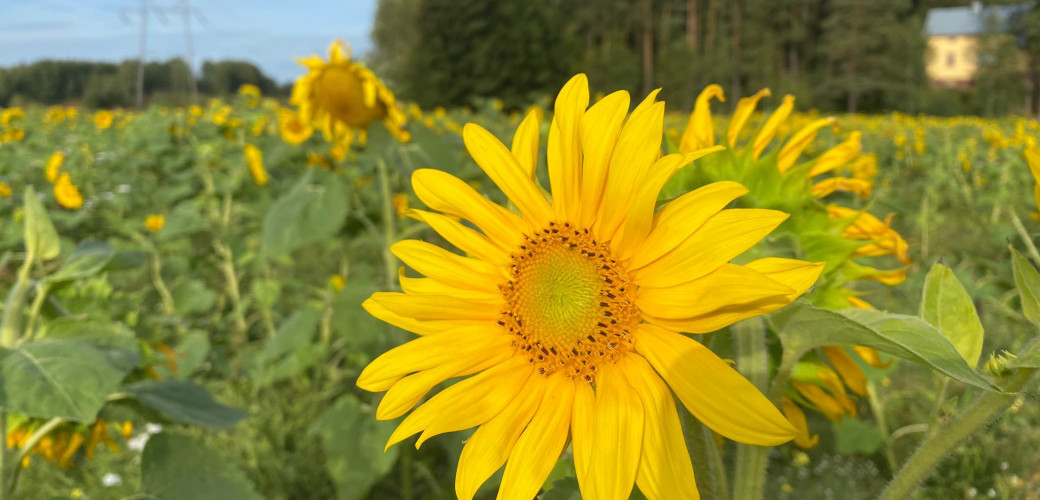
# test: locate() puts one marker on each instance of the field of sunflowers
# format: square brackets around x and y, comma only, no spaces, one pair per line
[211,301]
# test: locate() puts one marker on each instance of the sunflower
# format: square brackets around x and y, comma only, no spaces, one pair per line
[567,313]
[255,162]
[779,178]
[67,193]
[154,222]
[1032,154]
[292,128]
[54,164]
[341,96]
[5,190]
[103,119]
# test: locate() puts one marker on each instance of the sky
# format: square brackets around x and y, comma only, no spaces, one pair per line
[269,33]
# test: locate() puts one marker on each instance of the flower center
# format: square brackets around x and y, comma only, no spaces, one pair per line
[342,94]
[569,302]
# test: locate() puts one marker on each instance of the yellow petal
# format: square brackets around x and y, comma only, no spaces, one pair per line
[432,307]
[682,217]
[700,130]
[797,274]
[847,368]
[582,438]
[745,107]
[429,286]
[600,127]
[408,391]
[828,405]
[871,356]
[724,236]
[617,435]
[859,187]
[435,262]
[713,391]
[665,471]
[796,416]
[429,351]
[638,146]
[768,130]
[446,193]
[563,154]
[501,166]
[541,444]
[793,148]
[640,218]
[489,447]
[525,145]
[838,155]
[857,302]
[464,238]
[419,327]
[730,286]
[466,404]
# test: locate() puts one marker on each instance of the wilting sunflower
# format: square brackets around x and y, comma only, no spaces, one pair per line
[566,313]
[341,97]
[779,178]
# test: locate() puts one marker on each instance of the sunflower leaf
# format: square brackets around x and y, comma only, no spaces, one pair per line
[1028,282]
[946,305]
[802,326]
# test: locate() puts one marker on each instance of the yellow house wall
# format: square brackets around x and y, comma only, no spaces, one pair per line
[952,59]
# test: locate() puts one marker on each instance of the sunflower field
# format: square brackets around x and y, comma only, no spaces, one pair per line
[345,296]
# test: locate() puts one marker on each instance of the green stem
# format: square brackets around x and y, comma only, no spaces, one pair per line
[34,311]
[753,363]
[26,448]
[389,225]
[707,461]
[227,267]
[11,325]
[169,307]
[879,415]
[933,421]
[1025,236]
[938,445]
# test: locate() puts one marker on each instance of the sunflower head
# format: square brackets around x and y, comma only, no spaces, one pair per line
[255,162]
[103,119]
[67,193]
[566,314]
[341,96]
[293,128]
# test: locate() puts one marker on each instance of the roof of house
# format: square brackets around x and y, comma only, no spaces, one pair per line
[969,20]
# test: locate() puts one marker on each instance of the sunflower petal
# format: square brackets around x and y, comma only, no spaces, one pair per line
[525,145]
[768,131]
[489,447]
[797,418]
[617,435]
[564,150]
[665,470]
[430,286]
[541,444]
[729,404]
[847,368]
[724,236]
[797,274]
[418,327]
[407,392]
[507,173]
[600,127]
[582,436]
[446,193]
[437,263]
[433,307]
[729,286]
[745,107]
[464,238]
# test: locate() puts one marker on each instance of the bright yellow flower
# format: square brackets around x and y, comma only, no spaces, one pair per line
[9,115]
[54,164]
[154,222]
[883,239]
[1032,155]
[827,186]
[54,115]
[292,128]
[255,160]
[337,282]
[797,418]
[317,160]
[67,193]
[13,134]
[5,190]
[342,95]
[567,313]
[259,125]
[103,119]
[251,93]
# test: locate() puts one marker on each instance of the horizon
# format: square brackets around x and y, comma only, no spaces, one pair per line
[109,31]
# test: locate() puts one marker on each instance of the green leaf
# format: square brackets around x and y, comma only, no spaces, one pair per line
[192,351]
[802,326]
[54,377]
[856,436]
[947,306]
[114,340]
[565,488]
[1028,282]
[306,214]
[174,467]
[357,462]
[291,350]
[193,297]
[185,402]
[41,239]
[89,258]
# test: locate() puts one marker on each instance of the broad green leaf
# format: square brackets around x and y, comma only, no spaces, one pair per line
[193,297]
[192,351]
[185,402]
[353,441]
[89,258]
[947,306]
[802,327]
[308,213]
[565,488]
[175,467]
[1028,282]
[41,239]
[185,219]
[54,377]
[114,340]
[291,351]
[857,436]
[266,292]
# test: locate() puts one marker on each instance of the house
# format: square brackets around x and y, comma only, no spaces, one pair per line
[953,35]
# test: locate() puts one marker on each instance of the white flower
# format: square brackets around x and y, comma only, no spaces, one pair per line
[111,479]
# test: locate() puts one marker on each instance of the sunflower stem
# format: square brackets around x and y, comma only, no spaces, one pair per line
[11,325]
[389,223]
[753,363]
[878,410]
[707,461]
[1026,238]
[939,444]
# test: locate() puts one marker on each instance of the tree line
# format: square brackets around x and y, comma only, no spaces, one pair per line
[835,55]
[111,85]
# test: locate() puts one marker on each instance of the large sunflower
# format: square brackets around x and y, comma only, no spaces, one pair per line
[341,96]
[566,313]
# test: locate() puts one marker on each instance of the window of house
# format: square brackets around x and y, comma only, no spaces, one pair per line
[950,58]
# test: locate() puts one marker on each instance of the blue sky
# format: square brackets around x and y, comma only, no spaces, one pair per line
[270,33]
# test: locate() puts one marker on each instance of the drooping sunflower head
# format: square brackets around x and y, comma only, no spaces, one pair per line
[341,96]
[785,177]
[568,313]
